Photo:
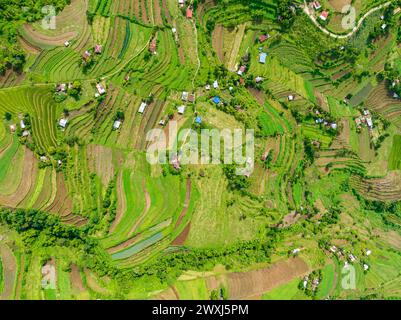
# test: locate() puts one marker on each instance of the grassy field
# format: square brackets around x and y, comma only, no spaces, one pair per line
[145,231]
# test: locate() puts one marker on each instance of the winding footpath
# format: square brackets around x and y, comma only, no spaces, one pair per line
[311,15]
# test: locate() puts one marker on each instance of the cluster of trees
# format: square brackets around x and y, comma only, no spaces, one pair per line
[41,229]
[286,13]
[394,79]
[235,181]
[170,266]
[309,151]
[219,294]
[333,57]
[14,13]
[74,90]
[36,226]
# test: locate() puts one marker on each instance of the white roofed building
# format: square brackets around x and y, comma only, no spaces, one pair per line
[116,125]
[181,109]
[142,107]
[63,123]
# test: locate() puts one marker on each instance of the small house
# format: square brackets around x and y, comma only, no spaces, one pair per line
[369,122]
[319,120]
[98,49]
[368,252]
[13,127]
[116,125]
[191,98]
[25,133]
[291,98]
[316,5]
[181,2]
[207,87]
[86,56]
[316,144]
[324,15]
[142,107]
[184,96]
[258,79]
[100,89]
[216,100]
[43,159]
[22,124]
[295,251]
[384,26]
[365,267]
[67,44]
[176,163]
[352,257]
[63,123]
[162,122]
[189,13]
[62,87]
[153,46]
[198,120]
[262,58]
[174,30]
[333,126]
[263,38]
[181,109]
[215,84]
[241,70]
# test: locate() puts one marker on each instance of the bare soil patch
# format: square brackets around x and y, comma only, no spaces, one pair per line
[76,279]
[180,240]
[338,5]
[243,285]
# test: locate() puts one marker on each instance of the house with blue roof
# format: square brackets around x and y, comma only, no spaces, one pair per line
[262,57]
[216,100]
[198,120]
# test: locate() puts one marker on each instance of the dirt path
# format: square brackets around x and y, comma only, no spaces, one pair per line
[9,272]
[355,29]
[243,285]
